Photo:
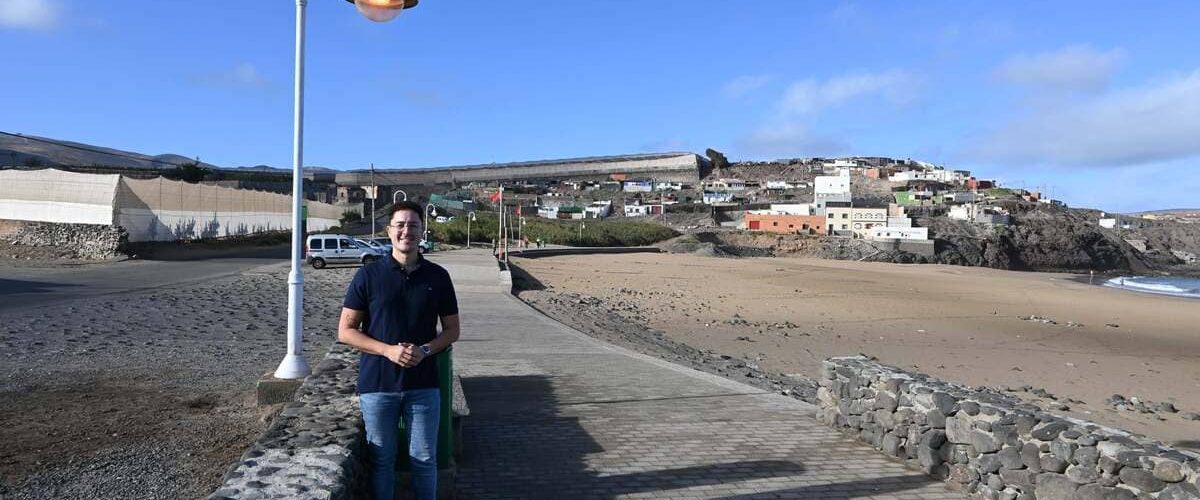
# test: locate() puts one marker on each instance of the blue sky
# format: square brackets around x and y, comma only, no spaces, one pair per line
[1097,102]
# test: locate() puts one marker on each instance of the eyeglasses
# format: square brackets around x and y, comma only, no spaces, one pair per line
[411,226]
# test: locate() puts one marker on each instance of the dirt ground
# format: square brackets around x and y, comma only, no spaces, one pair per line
[1049,338]
[147,394]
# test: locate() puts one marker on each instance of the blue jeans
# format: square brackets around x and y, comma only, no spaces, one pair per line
[382,411]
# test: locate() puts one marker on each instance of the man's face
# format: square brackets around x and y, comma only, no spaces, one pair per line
[405,231]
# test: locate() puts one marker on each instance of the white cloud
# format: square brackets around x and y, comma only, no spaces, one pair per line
[34,14]
[789,139]
[1156,122]
[810,96]
[243,75]
[1077,67]
[744,84]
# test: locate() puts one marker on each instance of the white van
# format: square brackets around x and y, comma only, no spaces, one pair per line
[323,249]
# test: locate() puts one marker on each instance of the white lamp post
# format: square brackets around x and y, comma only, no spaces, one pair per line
[293,365]
[428,208]
[470,217]
[399,191]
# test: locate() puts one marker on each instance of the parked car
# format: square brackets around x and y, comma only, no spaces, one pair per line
[323,249]
[386,243]
[374,245]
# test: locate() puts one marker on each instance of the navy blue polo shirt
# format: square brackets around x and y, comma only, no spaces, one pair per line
[400,307]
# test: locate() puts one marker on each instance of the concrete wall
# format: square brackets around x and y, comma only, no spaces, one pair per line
[994,446]
[683,167]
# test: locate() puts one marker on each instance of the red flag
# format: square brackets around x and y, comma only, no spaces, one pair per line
[518,210]
[495,197]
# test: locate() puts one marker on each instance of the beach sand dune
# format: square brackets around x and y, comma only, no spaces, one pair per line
[1049,338]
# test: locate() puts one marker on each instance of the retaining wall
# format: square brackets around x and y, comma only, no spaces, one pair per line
[315,448]
[995,446]
[86,241]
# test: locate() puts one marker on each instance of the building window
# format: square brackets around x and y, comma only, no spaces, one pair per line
[845,215]
[830,215]
[774,223]
[804,226]
[843,226]
[790,226]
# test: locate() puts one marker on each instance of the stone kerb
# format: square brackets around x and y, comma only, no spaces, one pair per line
[315,446]
[995,446]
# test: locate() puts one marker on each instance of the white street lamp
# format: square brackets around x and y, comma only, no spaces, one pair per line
[521,230]
[399,191]
[470,217]
[581,226]
[428,207]
[293,365]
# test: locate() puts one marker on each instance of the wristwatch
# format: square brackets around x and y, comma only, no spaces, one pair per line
[425,350]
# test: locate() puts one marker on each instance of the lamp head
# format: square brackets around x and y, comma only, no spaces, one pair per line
[382,10]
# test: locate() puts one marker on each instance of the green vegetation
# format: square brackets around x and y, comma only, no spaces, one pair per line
[349,216]
[1000,192]
[596,232]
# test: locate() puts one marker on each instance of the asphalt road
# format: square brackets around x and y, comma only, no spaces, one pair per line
[48,286]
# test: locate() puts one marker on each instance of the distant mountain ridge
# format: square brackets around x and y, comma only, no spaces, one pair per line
[22,150]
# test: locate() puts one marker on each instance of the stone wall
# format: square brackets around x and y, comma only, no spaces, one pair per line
[316,446]
[994,446]
[86,241]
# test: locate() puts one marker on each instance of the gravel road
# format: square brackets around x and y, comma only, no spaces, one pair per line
[146,394]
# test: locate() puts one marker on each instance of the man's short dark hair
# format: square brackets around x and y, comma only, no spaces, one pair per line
[411,206]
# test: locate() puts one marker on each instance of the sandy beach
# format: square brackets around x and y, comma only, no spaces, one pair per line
[1050,338]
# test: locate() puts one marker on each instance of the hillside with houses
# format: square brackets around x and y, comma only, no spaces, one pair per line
[864,208]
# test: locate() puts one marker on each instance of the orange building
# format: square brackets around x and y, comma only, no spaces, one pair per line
[784,223]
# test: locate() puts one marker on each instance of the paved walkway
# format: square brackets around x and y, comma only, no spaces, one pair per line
[556,414]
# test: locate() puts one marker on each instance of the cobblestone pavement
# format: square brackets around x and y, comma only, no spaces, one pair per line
[556,414]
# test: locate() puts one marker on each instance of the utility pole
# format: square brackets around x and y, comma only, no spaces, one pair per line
[374,194]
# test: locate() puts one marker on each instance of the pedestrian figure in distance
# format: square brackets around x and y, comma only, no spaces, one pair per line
[390,314]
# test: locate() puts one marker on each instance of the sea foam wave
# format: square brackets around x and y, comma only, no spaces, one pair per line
[1180,287]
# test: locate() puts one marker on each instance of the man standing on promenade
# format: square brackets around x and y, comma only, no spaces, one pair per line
[391,313]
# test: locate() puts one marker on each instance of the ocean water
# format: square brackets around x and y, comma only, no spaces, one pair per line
[1164,285]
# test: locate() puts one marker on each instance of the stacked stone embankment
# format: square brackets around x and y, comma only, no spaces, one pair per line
[83,241]
[314,448]
[995,446]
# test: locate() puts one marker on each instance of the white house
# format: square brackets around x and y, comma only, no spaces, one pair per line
[598,209]
[913,175]
[782,185]
[827,188]
[668,186]
[979,214]
[794,208]
[638,210]
[1108,223]
[638,186]
[712,197]
[898,233]
[727,185]
[961,197]
[839,163]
